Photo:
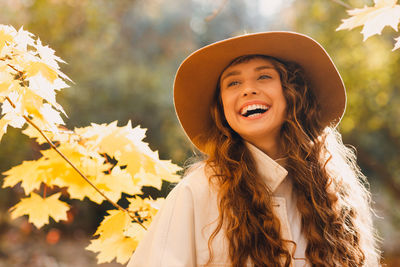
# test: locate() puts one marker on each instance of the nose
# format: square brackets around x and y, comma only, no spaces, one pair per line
[250,89]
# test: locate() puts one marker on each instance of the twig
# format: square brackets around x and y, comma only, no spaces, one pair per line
[216,11]
[11,66]
[44,190]
[74,167]
[340,2]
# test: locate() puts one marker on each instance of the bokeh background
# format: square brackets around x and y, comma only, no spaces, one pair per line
[122,56]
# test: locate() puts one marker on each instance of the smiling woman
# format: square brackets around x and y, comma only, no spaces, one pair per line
[277,186]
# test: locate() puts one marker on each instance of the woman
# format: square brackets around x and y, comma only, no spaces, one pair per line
[277,187]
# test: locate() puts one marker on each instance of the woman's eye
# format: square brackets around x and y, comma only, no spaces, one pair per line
[233,83]
[262,77]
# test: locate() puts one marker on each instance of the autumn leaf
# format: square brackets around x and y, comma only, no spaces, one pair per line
[27,173]
[118,235]
[373,19]
[112,241]
[119,181]
[40,209]
[117,246]
[7,34]
[34,68]
[146,208]
[115,220]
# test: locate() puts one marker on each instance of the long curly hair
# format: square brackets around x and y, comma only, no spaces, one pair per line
[332,193]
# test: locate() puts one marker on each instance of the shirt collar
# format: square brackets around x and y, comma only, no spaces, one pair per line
[270,171]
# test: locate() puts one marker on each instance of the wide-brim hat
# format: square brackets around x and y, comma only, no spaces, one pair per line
[197,77]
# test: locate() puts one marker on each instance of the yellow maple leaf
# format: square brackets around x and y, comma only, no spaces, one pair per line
[7,34]
[116,246]
[152,170]
[120,181]
[40,209]
[117,238]
[135,231]
[119,222]
[28,173]
[146,208]
[115,222]
[34,68]
[383,13]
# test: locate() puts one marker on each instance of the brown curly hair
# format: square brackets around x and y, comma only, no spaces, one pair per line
[332,194]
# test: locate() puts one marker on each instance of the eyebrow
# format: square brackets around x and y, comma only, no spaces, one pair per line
[235,72]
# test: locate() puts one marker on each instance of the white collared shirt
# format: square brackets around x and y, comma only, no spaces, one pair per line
[179,233]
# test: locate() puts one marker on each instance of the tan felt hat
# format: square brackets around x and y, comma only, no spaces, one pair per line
[197,77]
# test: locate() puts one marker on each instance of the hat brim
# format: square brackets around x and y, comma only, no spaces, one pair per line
[197,77]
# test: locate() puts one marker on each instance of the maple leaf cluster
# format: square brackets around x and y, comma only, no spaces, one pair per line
[29,79]
[113,159]
[374,19]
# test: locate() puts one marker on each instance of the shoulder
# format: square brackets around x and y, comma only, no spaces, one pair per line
[195,175]
[196,182]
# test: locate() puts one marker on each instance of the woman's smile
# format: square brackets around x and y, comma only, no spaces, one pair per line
[254,110]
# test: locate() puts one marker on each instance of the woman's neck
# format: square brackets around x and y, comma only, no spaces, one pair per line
[272,149]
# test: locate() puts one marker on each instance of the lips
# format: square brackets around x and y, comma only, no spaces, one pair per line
[253,109]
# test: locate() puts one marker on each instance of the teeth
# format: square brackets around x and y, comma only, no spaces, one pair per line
[252,115]
[253,107]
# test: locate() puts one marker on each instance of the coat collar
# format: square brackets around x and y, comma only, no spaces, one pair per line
[270,171]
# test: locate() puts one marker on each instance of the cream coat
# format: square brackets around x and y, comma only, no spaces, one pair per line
[178,235]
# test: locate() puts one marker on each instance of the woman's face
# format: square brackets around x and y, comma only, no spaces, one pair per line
[253,100]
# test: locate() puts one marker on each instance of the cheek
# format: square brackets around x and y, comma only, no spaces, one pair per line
[282,104]
[227,103]
[227,113]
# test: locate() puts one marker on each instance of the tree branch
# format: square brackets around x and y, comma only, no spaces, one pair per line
[216,11]
[340,2]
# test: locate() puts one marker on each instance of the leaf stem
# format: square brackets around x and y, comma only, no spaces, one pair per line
[44,190]
[11,66]
[74,167]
